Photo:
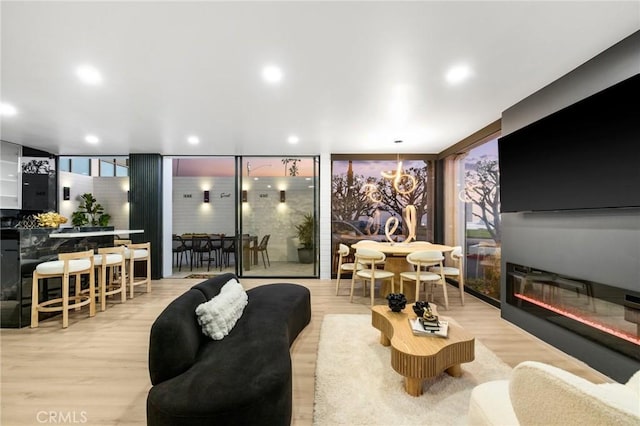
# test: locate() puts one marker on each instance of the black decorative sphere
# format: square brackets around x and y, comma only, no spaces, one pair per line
[397,301]
[419,307]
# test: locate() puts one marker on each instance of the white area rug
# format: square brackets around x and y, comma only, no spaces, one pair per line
[355,384]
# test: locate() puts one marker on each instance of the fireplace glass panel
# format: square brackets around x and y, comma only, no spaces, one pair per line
[602,313]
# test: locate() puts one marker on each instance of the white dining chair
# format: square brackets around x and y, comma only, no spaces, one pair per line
[343,252]
[422,260]
[457,259]
[370,260]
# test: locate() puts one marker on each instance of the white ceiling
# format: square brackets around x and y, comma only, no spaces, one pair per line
[357,75]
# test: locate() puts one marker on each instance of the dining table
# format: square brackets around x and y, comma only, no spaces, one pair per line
[396,260]
[249,242]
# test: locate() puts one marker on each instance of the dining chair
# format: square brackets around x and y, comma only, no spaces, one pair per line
[422,260]
[228,248]
[200,244]
[74,264]
[343,253]
[215,246]
[370,259]
[457,271]
[179,248]
[262,249]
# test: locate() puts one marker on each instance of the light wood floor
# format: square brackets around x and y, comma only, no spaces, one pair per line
[96,370]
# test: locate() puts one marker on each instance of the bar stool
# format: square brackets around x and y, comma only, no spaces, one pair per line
[76,264]
[138,253]
[111,257]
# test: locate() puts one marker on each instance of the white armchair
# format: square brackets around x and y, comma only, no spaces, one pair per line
[540,394]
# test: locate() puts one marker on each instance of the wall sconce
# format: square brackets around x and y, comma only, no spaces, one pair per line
[282,197]
[244,196]
[66,193]
[206,196]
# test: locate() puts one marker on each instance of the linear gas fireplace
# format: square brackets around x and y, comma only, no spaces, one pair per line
[604,314]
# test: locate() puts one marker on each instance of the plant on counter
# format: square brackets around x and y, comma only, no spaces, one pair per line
[90,212]
[50,219]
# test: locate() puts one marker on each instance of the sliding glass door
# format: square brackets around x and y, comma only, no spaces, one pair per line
[278,220]
[243,214]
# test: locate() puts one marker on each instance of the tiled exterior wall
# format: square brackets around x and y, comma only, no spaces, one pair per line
[111,192]
[263,213]
[192,215]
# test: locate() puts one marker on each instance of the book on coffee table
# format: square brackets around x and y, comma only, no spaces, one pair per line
[419,330]
[430,324]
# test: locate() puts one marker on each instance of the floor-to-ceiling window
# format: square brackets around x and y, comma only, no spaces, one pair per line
[369,191]
[471,209]
[481,197]
[472,215]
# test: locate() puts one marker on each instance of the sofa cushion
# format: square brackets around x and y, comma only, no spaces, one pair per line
[218,315]
[634,382]
[544,394]
[490,405]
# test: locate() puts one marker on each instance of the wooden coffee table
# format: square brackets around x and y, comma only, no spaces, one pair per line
[420,357]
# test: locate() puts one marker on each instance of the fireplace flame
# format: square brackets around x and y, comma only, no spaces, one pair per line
[602,327]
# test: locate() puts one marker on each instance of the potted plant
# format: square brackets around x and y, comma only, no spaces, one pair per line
[90,212]
[305,231]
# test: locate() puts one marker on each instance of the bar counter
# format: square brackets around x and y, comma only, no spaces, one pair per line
[23,249]
[84,234]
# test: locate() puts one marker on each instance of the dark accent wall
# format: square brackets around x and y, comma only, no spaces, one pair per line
[598,245]
[145,205]
[438,211]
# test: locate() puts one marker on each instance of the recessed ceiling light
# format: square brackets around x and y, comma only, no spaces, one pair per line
[92,139]
[272,74]
[293,139]
[193,140]
[7,110]
[458,74]
[89,75]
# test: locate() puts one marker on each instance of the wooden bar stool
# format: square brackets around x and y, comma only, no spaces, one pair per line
[111,259]
[77,264]
[138,253]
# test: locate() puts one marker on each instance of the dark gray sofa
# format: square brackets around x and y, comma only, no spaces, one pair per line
[243,379]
